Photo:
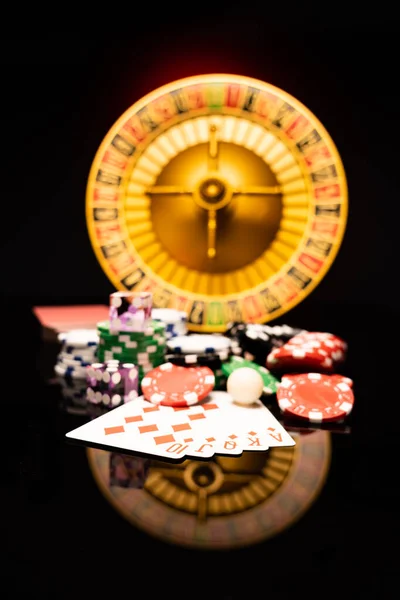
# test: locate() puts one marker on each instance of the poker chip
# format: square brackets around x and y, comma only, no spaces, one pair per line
[258,340]
[79,338]
[70,372]
[331,343]
[78,350]
[174,320]
[211,359]
[308,351]
[201,343]
[342,379]
[146,349]
[154,328]
[237,362]
[300,358]
[315,397]
[173,385]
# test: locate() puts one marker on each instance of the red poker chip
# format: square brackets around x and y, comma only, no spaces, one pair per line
[328,340]
[342,379]
[315,397]
[173,385]
[295,357]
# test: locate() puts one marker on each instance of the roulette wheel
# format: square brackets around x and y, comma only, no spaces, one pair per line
[221,504]
[222,195]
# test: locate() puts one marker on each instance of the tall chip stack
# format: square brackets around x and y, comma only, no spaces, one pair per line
[131,335]
[78,351]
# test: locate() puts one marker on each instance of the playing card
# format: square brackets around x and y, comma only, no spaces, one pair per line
[219,425]
[215,426]
[249,427]
[137,426]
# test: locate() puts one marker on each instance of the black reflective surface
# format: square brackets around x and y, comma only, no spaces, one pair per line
[63,533]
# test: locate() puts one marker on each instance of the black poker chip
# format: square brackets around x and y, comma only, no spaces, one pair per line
[211,360]
[258,340]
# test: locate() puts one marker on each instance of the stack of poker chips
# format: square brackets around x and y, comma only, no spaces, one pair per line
[112,383]
[309,351]
[77,352]
[131,335]
[258,340]
[175,321]
[145,349]
[205,350]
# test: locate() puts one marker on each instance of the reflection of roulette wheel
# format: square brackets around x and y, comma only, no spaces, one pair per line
[221,194]
[224,503]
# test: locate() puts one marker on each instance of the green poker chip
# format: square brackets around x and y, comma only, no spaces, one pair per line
[149,348]
[271,383]
[137,358]
[154,328]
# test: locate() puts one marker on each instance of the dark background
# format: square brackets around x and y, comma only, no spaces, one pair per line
[61,95]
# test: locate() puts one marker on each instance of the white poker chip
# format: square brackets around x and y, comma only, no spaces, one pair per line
[200,343]
[71,372]
[79,338]
[169,315]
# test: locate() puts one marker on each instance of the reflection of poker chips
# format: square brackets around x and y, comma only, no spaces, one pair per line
[172,385]
[201,343]
[315,397]
[73,394]
[236,362]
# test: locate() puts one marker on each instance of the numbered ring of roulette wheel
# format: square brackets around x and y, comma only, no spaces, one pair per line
[315,397]
[173,385]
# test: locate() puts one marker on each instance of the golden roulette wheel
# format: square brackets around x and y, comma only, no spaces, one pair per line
[225,503]
[222,195]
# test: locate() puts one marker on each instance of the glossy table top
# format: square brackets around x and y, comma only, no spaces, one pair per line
[329,505]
